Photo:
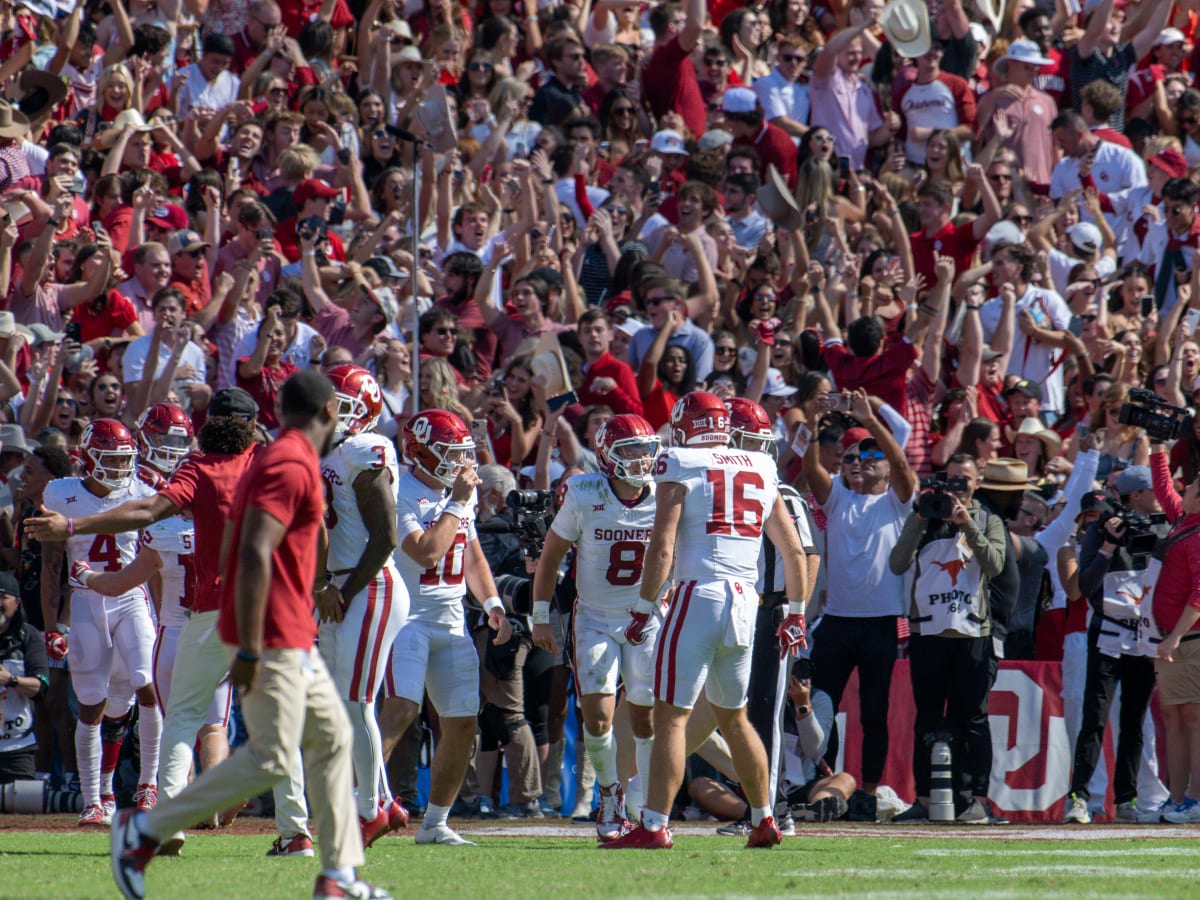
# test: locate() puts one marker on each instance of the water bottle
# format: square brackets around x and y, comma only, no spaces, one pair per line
[941,782]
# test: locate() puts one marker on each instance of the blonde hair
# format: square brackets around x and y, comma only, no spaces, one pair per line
[443,389]
[298,162]
[117,71]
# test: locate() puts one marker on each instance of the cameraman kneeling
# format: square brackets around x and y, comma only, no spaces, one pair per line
[1117,573]
[957,546]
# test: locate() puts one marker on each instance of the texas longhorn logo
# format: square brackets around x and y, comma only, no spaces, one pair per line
[1137,601]
[953,569]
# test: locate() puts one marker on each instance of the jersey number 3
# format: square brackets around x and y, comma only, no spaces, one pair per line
[733,512]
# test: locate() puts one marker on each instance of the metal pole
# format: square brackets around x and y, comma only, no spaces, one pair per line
[414,350]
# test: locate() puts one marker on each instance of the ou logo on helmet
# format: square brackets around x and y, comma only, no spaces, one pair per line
[422,429]
[370,387]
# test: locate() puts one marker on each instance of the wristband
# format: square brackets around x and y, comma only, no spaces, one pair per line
[492,604]
[644,606]
[70,527]
[795,607]
[246,656]
[62,629]
[456,509]
[541,612]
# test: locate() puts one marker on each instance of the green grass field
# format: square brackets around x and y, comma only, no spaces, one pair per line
[517,862]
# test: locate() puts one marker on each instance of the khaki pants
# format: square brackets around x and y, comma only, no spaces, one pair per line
[293,705]
[508,698]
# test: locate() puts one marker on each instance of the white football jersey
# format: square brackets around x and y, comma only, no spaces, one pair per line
[174,540]
[730,494]
[612,538]
[103,552]
[436,593]
[356,454]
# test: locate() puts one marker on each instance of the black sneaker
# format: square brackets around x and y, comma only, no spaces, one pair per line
[741,828]
[914,815]
[862,807]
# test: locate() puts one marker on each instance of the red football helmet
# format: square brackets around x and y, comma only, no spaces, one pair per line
[626,447]
[360,401]
[108,453]
[699,419]
[164,436]
[750,426]
[439,444]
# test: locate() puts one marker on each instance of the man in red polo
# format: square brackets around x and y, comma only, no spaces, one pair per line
[268,625]
[745,121]
[939,236]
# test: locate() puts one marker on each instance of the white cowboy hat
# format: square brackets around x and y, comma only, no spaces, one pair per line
[906,24]
[778,203]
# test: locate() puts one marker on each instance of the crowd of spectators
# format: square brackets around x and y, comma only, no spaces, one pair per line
[948,239]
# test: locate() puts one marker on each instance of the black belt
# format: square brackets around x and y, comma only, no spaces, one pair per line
[1190,636]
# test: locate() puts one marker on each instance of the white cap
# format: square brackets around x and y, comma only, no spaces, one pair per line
[1027,52]
[980,34]
[556,470]
[1004,232]
[776,386]
[630,326]
[739,100]
[1086,236]
[1170,36]
[668,141]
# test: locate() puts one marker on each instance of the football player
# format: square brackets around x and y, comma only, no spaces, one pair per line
[440,559]
[363,601]
[713,504]
[105,627]
[608,515]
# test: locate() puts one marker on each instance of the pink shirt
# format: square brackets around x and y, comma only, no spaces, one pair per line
[1030,117]
[845,104]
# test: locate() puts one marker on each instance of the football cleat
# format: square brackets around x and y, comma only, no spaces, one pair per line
[131,851]
[328,888]
[296,845]
[641,838]
[108,803]
[611,823]
[93,815]
[146,797]
[765,835]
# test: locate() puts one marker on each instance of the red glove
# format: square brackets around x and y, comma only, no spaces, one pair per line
[766,330]
[56,645]
[791,635]
[637,625]
[79,574]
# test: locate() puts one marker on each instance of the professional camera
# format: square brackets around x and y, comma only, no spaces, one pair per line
[1145,409]
[516,593]
[1138,537]
[936,500]
[532,514]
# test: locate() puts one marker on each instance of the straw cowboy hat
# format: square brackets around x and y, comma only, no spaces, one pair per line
[906,24]
[13,122]
[777,202]
[1032,427]
[1005,475]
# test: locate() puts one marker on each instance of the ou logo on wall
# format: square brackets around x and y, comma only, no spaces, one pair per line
[1031,763]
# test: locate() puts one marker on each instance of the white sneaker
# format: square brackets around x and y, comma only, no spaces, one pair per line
[1155,816]
[611,824]
[1186,813]
[634,799]
[1077,811]
[441,834]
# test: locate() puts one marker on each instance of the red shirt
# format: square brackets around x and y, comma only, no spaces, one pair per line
[623,398]
[111,320]
[284,481]
[295,13]
[958,241]
[883,374]
[1178,584]
[669,83]
[206,483]
[264,388]
[775,146]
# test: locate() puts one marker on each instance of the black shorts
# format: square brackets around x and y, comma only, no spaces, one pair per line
[17,766]
[800,794]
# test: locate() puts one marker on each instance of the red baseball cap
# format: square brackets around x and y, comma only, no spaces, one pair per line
[854,436]
[1171,161]
[314,188]
[170,216]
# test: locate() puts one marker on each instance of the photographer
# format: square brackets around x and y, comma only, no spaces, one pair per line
[503,722]
[814,792]
[1176,609]
[1116,574]
[957,545]
[24,678]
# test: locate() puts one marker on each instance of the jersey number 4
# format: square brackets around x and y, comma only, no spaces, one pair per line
[105,550]
[733,512]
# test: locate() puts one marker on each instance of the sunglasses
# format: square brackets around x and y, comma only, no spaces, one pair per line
[379,134]
[617,209]
[791,57]
[765,298]
[445,332]
[1091,317]
[1000,176]
[724,351]
[719,62]
[65,401]
[782,343]
[654,301]
[850,458]
[865,455]
[481,67]
[278,90]
[622,111]
[1021,220]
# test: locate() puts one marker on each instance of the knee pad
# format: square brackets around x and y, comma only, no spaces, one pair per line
[112,730]
[492,730]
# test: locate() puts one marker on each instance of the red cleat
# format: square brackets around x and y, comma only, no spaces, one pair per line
[641,838]
[373,829]
[397,815]
[766,834]
[146,797]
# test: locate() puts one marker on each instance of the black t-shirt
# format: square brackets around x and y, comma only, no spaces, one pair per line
[1098,67]
[960,56]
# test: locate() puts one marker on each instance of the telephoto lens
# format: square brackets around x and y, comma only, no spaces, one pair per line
[941,782]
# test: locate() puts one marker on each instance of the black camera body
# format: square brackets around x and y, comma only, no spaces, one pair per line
[1138,537]
[1160,420]
[532,510]
[936,500]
